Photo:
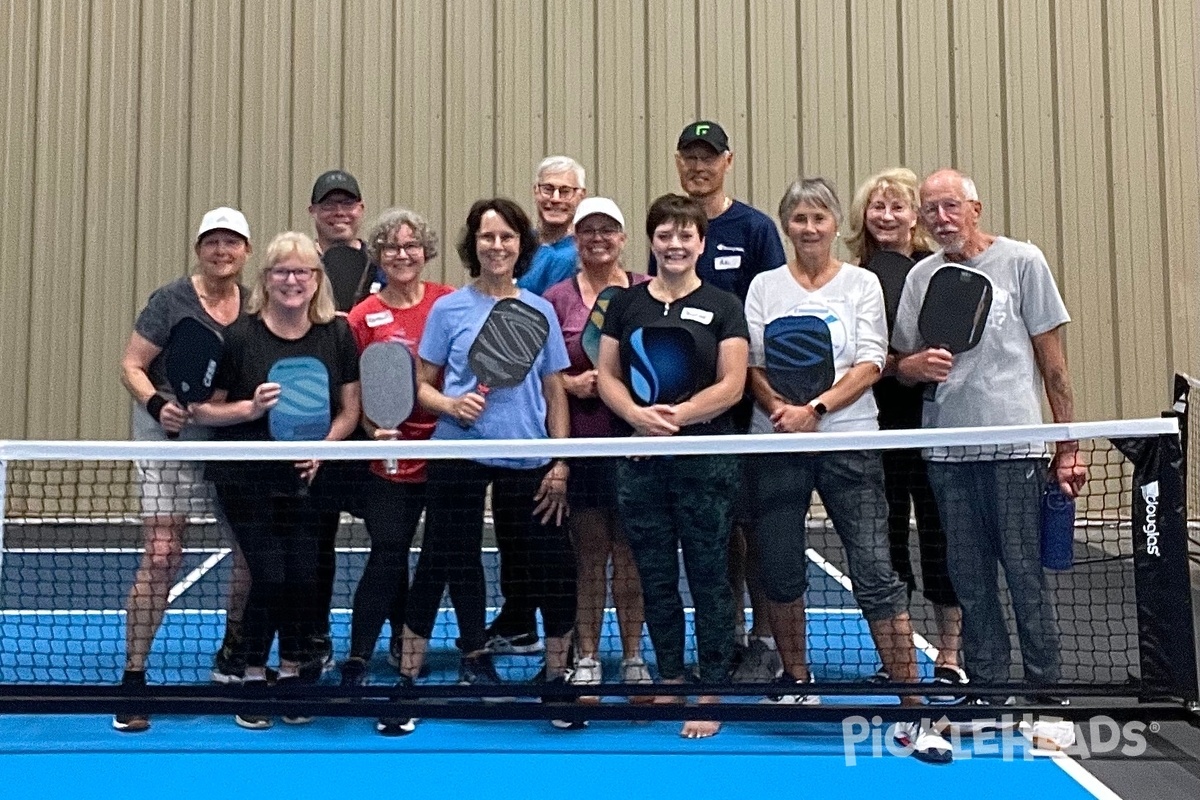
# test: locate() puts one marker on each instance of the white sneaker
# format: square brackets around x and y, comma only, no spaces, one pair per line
[635,671]
[1050,734]
[923,743]
[587,672]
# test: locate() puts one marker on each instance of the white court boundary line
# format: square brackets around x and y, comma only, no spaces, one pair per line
[1086,780]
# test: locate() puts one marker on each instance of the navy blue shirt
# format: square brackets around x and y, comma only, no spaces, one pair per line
[740,243]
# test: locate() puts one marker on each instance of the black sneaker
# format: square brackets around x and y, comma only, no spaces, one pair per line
[227,668]
[398,726]
[947,683]
[789,691]
[479,670]
[293,683]
[518,644]
[132,681]
[253,722]
[354,672]
[552,696]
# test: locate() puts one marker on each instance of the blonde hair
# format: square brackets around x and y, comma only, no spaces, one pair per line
[900,182]
[321,308]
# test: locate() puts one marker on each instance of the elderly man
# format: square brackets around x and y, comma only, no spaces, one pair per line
[557,190]
[989,499]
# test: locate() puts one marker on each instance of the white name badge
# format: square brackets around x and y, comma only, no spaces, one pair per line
[727,262]
[379,318]
[696,315]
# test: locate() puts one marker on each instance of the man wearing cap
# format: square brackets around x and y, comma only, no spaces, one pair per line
[557,190]
[741,242]
[337,211]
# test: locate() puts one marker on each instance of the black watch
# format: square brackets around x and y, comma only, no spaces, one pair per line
[819,409]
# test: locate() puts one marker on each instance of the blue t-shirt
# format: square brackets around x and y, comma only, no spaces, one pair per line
[740,243]
[551,263]
[518,412]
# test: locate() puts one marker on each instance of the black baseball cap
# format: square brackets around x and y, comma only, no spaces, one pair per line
[705,131]
[332,181]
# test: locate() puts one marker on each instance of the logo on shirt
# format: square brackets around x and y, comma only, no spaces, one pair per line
[731,248]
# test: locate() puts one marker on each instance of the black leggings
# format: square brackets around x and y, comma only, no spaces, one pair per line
[905,477]
[450,553]
[284,538]
[391,511]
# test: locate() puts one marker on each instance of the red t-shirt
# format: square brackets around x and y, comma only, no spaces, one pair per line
[371,321]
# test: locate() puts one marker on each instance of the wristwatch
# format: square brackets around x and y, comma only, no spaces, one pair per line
[818,408]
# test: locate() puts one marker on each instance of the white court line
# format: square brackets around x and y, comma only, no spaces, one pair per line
[1086,780]
[196,574]
[920,641]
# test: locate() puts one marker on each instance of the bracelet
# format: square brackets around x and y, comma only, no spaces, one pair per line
[154,406]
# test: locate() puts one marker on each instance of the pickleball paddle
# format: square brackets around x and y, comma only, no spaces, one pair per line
[192,352]
[799,357]
[589,340]
[662,365]
[389,387]
[954,312]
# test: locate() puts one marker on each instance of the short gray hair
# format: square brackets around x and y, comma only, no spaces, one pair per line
[813,191]
[551,165]
[392,220]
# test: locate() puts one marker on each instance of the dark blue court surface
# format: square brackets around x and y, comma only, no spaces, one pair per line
[61,621]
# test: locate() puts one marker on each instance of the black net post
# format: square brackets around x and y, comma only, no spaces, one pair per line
[1162,577]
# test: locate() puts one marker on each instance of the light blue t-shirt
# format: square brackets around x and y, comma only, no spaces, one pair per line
[518,412]
[552,263]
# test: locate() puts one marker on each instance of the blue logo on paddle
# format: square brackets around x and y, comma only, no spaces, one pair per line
[661,365]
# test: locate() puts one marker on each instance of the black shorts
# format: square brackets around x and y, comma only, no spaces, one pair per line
[593,483]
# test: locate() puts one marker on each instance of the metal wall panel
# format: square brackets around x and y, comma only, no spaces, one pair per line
[126,119]
[109,220]
[57,205]
[19,27]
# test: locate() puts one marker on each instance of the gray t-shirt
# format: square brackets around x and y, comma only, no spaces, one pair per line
[167,305]
[997,382]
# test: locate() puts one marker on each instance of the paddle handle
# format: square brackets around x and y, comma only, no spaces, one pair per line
[483,389]
[391,466]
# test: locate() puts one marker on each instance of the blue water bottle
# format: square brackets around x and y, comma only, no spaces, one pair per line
[1058,529]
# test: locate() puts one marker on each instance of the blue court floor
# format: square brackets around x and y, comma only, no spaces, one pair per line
[49,632]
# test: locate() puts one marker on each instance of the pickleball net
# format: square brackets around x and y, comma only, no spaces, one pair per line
[77,514]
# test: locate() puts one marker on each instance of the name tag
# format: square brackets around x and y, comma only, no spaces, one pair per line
[727,262]
[379,318]
[696,315]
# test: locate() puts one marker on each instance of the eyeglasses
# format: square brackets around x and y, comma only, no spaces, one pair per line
[344,204]
[552,190]
[951,207]
[605,231]
[413,249]
[301,274]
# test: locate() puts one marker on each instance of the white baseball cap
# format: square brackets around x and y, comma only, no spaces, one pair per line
[224,219]
[599,205]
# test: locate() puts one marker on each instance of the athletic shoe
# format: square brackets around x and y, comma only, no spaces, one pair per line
[132,681]
[227,668]
[1051,734]
[519,644]
[481,671]
[252,722]
[635,671]
[785,683]
[924,744]
[550,696]
[881,676]
[948,679]
[292,683]
[759,664]
[354,672]
[397,726]
[587,672]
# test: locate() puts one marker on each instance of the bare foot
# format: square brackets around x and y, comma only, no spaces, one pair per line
[701,729]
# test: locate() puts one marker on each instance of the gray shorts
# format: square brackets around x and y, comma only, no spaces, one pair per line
[171,488]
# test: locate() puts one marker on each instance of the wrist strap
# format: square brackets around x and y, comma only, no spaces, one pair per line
[155,406]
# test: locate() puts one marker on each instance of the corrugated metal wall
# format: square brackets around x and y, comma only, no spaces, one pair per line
[125,119]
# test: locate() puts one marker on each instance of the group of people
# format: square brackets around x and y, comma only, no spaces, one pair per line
[719,275]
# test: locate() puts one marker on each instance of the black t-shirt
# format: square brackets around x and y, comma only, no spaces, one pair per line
[710,315]
[250,351]
[899,405]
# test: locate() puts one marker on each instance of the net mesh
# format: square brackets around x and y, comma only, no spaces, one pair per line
[102,540]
